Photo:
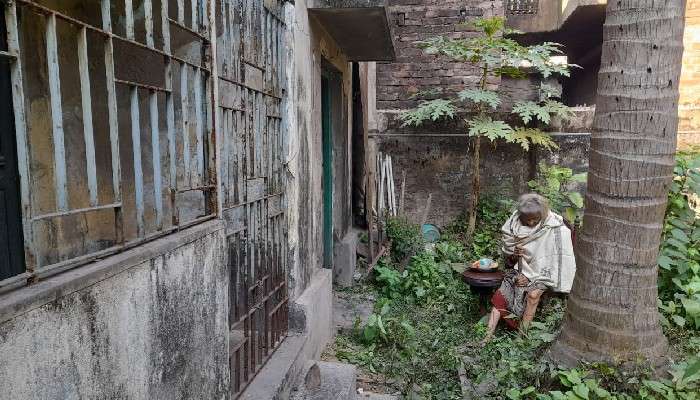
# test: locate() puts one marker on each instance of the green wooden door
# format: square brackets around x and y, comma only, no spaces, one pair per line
[327,171]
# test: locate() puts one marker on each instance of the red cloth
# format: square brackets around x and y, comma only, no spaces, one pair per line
[501,305]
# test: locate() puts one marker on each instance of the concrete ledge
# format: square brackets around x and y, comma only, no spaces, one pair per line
[345,259]
[279,376]
[28,298]
[311,314]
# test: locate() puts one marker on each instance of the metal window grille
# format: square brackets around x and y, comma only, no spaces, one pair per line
[113,126]
[521,7]
[251,80]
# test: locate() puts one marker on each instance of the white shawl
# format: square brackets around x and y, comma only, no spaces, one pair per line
[548,252]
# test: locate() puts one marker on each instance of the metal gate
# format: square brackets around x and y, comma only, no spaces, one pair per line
[250,61]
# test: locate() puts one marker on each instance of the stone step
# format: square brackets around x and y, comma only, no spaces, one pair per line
[328,381]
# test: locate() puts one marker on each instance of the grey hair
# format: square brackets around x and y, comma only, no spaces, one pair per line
[533,203]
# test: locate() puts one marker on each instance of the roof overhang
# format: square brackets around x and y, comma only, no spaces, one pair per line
[359,27]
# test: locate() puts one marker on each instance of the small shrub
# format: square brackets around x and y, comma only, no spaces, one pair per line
[406,239]
[597,382]
[553,183]
[492,214]
[388,279]
[450,251]
[423,279]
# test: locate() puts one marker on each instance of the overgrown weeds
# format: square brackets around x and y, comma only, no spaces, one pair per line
[679,260]
[426,326]
[406,239]
[418,326]
[491,214]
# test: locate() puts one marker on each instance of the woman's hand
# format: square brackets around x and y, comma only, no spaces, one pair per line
[519,251]
[521,280]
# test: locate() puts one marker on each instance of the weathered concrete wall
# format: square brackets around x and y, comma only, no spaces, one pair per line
[437,162]
[311,315]
[548,17]
[151,323]
[311,46]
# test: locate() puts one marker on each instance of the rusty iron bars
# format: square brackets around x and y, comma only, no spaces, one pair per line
[250,64]
[193,74]
[522,7]
[258,293]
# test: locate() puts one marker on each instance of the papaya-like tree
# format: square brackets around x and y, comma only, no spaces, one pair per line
[612,310]
[495,54]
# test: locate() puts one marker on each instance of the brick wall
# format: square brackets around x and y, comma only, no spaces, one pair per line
[414,71]
[689,102]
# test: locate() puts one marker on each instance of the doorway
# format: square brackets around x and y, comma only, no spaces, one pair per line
[11,242]
[327,145]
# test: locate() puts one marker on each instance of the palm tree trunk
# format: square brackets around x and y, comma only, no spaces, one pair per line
[612,313]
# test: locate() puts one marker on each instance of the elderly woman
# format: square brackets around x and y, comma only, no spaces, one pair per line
[539,257]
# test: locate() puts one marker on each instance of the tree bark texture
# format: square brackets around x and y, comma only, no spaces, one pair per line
[612,313]
[476,188]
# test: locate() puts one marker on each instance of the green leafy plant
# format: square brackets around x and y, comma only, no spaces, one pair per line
[578,384]
[577,387]
[553,182]
[406,239]
[425,278]
[364,237]
[511,363]
[388,278]
[365,356]
[375,328]
[679,258]
[450,251]
[495,55]
[486,240]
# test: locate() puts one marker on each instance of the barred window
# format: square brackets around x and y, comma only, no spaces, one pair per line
[521,7]
[112,123]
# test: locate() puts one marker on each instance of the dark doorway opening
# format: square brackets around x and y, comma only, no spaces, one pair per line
[359,177]
[11,241]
